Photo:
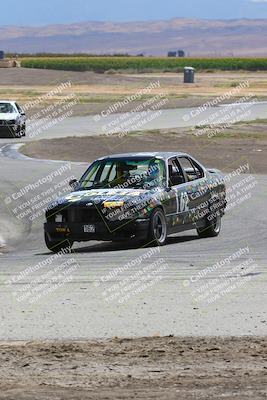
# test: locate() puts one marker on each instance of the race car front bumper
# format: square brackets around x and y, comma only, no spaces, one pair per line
[79,232]
[8,129]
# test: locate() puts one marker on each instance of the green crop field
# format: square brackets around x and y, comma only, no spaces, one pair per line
[143,64]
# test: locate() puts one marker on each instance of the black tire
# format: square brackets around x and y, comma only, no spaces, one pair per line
[56,246]
[157,231]
[18,134]
[212,228]
[23,130]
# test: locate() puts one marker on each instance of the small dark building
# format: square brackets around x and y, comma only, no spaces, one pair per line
[181,53]
[172,54]
[2,55]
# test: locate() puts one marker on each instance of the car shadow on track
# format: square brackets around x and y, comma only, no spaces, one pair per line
[120,246]
[103,247]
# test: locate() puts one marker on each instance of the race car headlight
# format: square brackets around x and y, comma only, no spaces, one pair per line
[9,122]
[113,204]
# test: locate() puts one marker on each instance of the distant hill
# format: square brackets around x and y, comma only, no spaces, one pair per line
[243,37]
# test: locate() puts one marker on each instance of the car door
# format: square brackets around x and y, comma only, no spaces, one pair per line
[177,205]
[197,189]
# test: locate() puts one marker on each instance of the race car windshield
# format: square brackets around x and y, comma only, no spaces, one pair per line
[124,174]
[6,108]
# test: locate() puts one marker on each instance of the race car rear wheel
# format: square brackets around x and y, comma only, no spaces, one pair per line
[157,232]
[56,246]
[211,229]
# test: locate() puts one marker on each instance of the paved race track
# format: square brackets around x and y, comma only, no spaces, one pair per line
[82,307]
[161,119]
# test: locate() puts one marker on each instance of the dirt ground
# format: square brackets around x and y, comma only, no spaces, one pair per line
[241,143]
[146,368]
[95,91]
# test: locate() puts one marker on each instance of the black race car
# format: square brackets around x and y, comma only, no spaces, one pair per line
[138,195]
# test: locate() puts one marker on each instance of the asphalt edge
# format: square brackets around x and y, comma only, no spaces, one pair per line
[12,151]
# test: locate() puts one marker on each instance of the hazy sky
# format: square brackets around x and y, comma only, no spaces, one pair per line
[40,12]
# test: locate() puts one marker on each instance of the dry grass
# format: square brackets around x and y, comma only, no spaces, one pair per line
[96,92]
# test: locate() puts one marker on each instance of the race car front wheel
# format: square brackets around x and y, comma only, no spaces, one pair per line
[56,246]
[17,134]
[23,130]
[211,229]
[157,233]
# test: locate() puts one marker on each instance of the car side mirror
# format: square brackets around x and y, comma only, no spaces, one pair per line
[73,183]
[22,113]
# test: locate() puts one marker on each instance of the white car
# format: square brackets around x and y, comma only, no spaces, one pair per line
[12,119]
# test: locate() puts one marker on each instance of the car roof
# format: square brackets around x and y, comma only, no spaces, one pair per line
[8,101]
[164,154]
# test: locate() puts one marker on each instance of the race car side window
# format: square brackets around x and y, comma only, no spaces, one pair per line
[192,170]
[108,173]
[176,176]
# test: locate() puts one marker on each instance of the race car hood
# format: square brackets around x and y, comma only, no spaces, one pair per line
[98,196]
[8,116]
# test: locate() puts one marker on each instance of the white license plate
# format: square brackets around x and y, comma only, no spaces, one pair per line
[89,228]
[58,218]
